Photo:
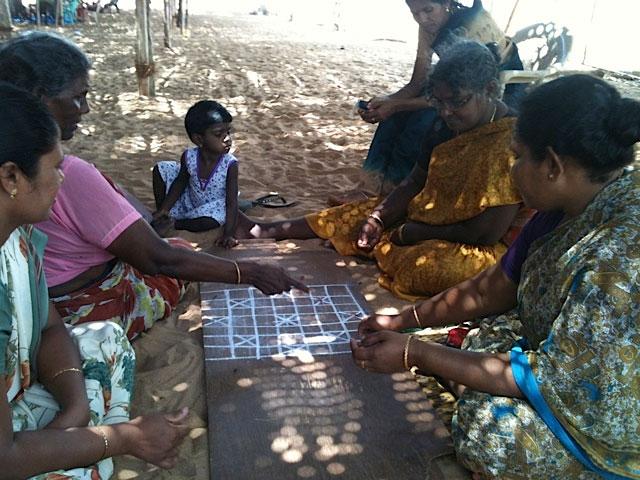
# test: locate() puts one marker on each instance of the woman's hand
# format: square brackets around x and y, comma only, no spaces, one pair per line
[269,279]
[377,323]
[370,234]
[380,108]
[155,438]
[227,242]
[381,352]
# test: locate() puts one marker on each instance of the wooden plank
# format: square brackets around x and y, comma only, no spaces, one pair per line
[305,415]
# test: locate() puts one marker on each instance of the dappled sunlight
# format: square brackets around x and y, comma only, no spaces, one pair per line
[126,474]
[420,412]
[313,390]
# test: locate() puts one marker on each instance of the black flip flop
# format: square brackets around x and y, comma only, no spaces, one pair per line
[273,200]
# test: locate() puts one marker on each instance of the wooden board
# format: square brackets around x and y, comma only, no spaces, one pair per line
[303,409]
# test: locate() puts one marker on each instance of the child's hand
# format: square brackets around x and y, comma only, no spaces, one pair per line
[159,215]
[161,222]
[227,241]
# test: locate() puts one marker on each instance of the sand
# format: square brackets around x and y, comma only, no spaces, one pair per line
[291,89]
[295,132]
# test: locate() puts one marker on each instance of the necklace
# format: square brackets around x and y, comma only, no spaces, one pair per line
[493,115]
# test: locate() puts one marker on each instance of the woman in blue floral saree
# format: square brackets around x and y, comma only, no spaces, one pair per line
[549,386]
[64,393]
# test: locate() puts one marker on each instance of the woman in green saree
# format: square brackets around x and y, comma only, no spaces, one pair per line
[64,393]
[549,386]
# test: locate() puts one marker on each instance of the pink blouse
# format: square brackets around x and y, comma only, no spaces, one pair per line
[87,216]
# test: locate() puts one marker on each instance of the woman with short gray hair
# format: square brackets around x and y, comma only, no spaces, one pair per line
[103,261]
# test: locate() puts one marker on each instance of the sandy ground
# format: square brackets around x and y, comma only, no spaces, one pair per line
[291,89]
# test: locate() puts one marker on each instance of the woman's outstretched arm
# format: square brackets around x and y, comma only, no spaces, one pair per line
[490,292]
[384,352]
[140,246]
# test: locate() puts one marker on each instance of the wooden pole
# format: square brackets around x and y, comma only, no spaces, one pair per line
[144,52]
[167,23]
[59,13]
[5,16]
[183,17]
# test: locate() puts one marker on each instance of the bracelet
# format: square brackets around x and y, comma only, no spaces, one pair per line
[238,273]
[106,443]
[415,315]
[378,219]
[405,355]
[400,232]
[65,370]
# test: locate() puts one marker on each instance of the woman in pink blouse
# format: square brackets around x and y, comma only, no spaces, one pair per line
[103,260]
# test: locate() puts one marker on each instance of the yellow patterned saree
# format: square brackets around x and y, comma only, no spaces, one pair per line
[467,175]
[575,355]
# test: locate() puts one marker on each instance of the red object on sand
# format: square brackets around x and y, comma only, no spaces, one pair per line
[456,336]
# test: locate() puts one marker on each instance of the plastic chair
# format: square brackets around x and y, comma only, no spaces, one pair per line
[544,48]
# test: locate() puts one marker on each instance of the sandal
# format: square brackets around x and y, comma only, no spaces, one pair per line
[273,200]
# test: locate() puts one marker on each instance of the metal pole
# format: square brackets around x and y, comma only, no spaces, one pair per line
[513,12]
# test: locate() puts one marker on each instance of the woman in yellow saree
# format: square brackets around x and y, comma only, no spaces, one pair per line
[447,220]
[549,387]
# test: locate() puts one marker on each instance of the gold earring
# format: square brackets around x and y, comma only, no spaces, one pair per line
[13,193]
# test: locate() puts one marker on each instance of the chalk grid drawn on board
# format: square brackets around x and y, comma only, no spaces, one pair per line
[242,323]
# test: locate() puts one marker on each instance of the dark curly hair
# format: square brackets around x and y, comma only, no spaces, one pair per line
[203,114]
[27,129]
[582,117]
[466,65]
[42,63]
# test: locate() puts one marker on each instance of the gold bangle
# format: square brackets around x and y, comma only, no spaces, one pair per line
[106,443]
[415,315]
[378,219]
[238,273]
[400,231]
[65,370]
[405,355]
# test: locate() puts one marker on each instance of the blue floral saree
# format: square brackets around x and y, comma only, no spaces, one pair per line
[574,340]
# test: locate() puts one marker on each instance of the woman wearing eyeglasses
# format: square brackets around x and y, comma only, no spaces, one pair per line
[434,231]
[405,116]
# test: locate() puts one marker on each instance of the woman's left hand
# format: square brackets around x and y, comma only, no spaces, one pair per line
[381,352]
